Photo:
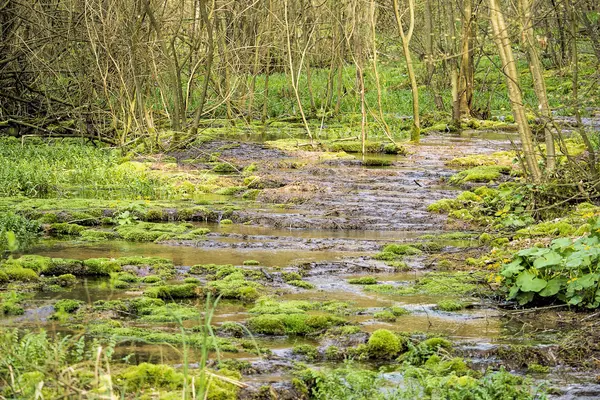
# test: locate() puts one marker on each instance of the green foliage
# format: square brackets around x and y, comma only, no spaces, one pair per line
[16,231]
[310,352]
[70,168]
[567,271]
[251,262]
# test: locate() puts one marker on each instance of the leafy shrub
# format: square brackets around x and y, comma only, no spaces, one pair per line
[17,232]
[567,270]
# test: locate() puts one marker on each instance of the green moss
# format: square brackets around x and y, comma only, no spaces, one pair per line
[173,291]
[61,266]
[384,344]
[36,263]
[450,305]
[370,147]
[226,222]
[20,274]
[292,324]
[399,311]
[548,229]
[365,280]
[467,196]
[101,266]
[146,375]
[333,353]
[436,283]
[485,238]
[235,286]
[291,276]
[401,249]
[65,280]
[266,305]
[251,262]
[430,247]
[386,316]
[487,173]
[475,160]
[301,284]
[125,277]
[310,352]
[66,229]
[443,206]
[225,168]
[68,305]
[394,252]
[537,368]
[150,232]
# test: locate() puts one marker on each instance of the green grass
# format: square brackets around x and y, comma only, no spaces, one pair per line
[70,168]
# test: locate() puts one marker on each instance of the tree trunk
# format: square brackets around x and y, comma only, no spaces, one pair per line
[539,85]
[514,90]
[406,37]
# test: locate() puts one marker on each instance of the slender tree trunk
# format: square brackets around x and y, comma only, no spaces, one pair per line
[208,68]
[406,37]
[465,81]
[539,85]
[514,90]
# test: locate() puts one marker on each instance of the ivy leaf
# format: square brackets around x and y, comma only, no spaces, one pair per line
[528,282]
[553,287]
[548,259]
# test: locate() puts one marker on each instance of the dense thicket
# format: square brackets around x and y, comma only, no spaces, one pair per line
[118,70]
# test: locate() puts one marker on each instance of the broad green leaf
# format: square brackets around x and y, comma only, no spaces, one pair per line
[533,252]
[584,282]
[577,260]
[529,283]
[514,291]
[524,298]
[548,259]
[553,287]
[575,300]
[561,243]
[512,268]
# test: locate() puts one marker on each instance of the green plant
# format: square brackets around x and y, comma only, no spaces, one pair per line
[567,270]
[17,232]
